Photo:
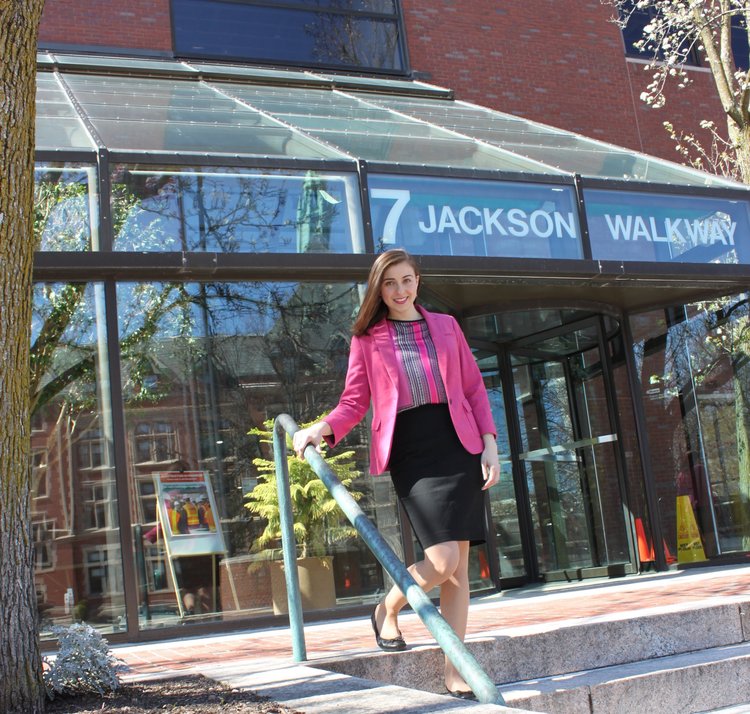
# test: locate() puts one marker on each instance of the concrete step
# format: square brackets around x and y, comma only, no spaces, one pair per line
[520,654]
[681,659]
[680,684]
[317,691]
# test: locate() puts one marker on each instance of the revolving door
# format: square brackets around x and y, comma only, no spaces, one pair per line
[553,398]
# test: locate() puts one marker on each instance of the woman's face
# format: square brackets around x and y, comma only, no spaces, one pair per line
[399,290]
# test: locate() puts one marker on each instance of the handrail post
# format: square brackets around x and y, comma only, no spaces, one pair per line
[288,541]
[447,639]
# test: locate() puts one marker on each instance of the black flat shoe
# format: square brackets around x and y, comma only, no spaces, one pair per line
[465,694]
[396,644]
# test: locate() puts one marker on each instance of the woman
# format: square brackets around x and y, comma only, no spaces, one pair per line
[432,428]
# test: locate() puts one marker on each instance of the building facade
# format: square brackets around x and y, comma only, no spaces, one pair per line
[213,181]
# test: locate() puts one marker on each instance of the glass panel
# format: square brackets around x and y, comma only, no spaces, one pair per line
[437,216]
[694,376]
[570,458]
[503,501]
[679,229]
[373,133]
[65,207]
[57,123]
[133,114]
[235,210]
[207,28]
[202,366]
[568,152]
[74,521]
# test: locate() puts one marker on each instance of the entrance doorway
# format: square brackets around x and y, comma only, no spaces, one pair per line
[561,510]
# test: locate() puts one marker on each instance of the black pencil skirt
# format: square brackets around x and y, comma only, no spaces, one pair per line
[438,482]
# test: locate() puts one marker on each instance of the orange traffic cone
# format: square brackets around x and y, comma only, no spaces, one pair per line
[645,547]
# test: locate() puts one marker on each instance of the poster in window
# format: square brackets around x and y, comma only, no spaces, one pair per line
[187,512]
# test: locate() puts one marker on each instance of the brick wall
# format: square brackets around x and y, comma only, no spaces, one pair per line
[560,62]
[131,24]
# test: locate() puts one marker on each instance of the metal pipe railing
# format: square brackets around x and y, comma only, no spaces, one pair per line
[449,642]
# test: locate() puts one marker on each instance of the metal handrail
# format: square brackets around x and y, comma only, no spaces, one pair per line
[447,639]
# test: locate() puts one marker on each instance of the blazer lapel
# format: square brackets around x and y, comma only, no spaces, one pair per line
[441,333]
[382,339]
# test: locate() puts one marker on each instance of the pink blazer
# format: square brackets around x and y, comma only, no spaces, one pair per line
[372,376]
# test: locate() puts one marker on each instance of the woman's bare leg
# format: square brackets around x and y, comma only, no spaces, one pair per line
[439,564]
[454,606]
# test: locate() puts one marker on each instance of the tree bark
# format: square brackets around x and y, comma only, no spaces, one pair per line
[739,135]
[21,687]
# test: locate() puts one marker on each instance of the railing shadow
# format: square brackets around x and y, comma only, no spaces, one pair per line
[449,642]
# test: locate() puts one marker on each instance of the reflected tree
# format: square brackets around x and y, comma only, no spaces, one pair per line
[355,41]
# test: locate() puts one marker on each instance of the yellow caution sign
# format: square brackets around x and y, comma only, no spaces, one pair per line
[689,544]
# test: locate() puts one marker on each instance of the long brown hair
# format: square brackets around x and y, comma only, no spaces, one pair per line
[373,308]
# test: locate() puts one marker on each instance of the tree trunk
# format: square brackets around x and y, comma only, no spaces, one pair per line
[21,687]
[739,136]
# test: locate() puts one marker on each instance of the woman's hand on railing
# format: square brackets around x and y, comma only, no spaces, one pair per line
[311,435]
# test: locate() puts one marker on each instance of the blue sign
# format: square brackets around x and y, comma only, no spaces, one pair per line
[443,216]
[632,226]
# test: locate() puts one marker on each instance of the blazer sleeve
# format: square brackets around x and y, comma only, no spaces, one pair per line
[473,385]
[355,399]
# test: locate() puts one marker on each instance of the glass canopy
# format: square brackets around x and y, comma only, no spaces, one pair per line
[171,116]
[58,126]
[374,133]
[568,152]
[171,107]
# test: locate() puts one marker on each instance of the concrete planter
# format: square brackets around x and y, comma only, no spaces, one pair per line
[316,584]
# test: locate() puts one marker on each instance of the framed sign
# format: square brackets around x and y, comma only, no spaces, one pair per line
[450,216]
[187,512]
[635,226]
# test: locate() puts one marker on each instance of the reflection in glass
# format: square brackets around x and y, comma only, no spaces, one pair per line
[694,376]
[202,365]
[74,521]
[65,207]
[356,35]
[235,211]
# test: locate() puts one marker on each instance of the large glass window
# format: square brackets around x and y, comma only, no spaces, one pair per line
[65,207]
[75,528]
[235,211]
[694,376]
[352,34]
[202,366]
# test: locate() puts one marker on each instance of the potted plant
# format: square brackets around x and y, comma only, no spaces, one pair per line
[317,520]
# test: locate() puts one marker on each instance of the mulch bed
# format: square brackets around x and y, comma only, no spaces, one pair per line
[184,695]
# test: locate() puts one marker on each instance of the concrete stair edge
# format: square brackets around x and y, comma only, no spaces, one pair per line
[319,691]
[687,683]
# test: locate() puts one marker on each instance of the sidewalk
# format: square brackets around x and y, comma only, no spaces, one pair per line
[268,649]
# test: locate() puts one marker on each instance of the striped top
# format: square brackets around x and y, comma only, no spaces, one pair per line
[419,375]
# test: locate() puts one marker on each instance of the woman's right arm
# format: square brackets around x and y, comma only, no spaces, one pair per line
[353,405]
